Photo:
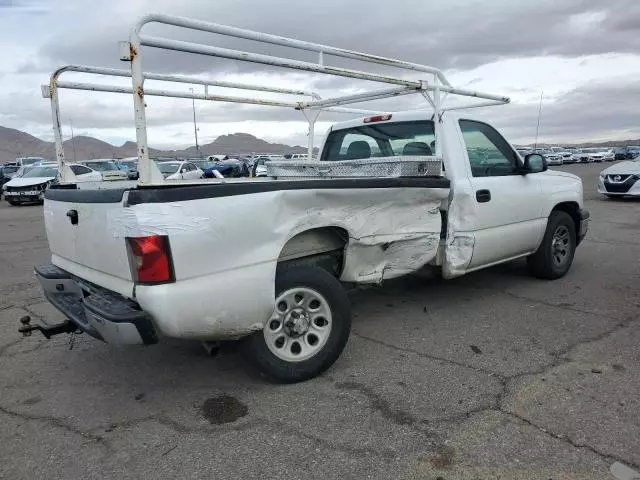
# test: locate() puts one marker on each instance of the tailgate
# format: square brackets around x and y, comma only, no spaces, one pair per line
[88,248]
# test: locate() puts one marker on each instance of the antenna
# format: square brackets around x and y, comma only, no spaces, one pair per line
[73,142]
[535,145]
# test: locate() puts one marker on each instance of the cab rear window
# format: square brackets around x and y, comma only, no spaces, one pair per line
[381,140]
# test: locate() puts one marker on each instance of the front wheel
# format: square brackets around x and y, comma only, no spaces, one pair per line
[308,329]
[555,254]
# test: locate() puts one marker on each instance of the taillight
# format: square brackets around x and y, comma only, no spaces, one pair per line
[378,118]
[150,259]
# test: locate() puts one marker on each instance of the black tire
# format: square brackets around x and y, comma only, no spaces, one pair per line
[322,282]
[548,262]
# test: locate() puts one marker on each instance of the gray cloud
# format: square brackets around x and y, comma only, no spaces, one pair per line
[455,34]
[588,112]
[459,35]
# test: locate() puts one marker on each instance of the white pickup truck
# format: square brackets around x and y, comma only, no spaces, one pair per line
[264,259]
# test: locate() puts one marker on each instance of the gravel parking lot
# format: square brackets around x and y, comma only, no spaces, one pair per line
[492,375]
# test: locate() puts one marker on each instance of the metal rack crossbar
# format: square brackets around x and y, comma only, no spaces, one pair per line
[51,91]
[434,90]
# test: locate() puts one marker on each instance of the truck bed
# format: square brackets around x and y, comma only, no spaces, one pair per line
[229,236]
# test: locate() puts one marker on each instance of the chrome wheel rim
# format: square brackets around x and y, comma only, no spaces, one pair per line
[299,326]
[560,245]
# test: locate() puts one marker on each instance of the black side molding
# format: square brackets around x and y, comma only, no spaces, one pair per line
[182,192]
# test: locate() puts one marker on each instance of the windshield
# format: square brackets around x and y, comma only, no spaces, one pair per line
[129,165]
[168,167]
[106,166]
[31,160]
[380,140]
[41,172]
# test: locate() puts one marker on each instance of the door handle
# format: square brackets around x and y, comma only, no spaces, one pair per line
[483,196]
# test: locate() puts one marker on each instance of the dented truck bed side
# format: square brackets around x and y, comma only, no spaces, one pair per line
[226,241]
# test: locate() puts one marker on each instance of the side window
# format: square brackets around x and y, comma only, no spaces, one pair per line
[79,170]
[190,167]
[489,154]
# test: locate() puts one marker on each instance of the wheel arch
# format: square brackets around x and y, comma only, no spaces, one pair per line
[322,246]
[573,210]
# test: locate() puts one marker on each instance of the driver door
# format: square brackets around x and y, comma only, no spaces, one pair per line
[506,209]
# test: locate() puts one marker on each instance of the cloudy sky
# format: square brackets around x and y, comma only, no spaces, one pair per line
[583,54]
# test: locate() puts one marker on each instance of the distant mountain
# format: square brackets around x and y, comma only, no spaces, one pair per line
[14,143]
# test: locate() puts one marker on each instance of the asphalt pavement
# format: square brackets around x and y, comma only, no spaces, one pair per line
[495,375]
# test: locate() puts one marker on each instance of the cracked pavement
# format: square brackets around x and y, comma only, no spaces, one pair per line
[495,375]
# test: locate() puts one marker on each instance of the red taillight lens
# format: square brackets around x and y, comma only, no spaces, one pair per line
[378,118]
[150,259]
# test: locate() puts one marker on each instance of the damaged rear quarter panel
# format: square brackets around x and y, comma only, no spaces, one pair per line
[230,265]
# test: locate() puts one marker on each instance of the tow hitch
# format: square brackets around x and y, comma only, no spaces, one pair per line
[47,330]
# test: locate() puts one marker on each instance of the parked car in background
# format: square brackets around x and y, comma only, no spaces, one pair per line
[24,161]
[259,169]
[107,168]
[609,154]
[216,158]
[633,152]
[599,154]
[30,187]
[201,163]
[620,153]
[129,166]
[232,167]
[179,170]
[565,154]
[581,156]
[8,172]
[551,157]
[621,179]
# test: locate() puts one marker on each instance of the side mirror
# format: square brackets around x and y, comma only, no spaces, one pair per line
[534,163]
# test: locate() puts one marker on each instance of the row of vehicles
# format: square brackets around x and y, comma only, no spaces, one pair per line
[25,180]
[565,155]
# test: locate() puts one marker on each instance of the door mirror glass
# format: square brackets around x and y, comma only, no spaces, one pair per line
[534,163]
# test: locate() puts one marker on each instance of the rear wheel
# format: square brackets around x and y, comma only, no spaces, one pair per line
[555,254]
[308,329]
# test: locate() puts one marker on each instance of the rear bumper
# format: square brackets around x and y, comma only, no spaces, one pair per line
[101,313]
[584,224]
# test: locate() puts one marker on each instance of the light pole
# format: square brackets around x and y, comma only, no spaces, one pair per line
[535,146]
[195,125]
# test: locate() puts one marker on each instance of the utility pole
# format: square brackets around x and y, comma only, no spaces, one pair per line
[73,142]
[195,125]
[535,146]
